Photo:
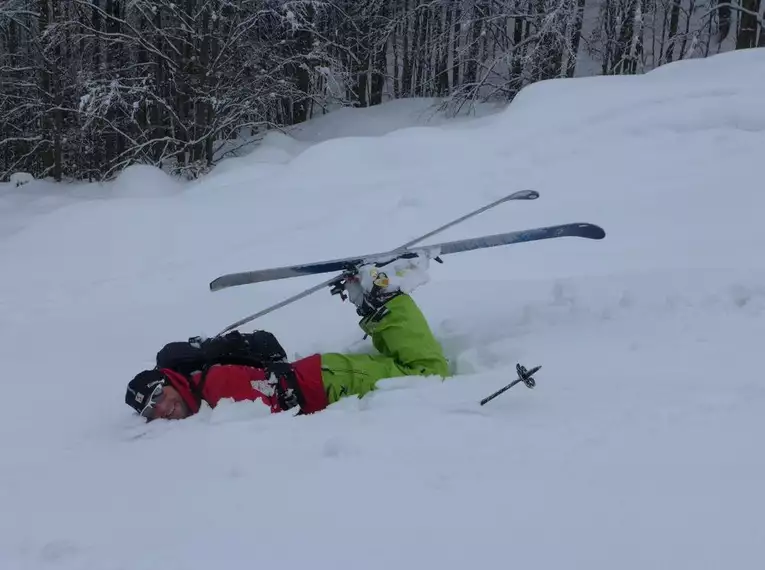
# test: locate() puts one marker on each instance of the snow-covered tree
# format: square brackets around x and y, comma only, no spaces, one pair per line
[88,87]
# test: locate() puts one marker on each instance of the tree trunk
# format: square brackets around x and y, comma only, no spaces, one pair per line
[423,53]
[748,24]
[442,52]
[380,65]
[395,49]
[457,19]
[46,84]
[576,38]
[674,18]
[406,74]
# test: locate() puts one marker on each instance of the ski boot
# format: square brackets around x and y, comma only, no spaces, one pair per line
[372,285]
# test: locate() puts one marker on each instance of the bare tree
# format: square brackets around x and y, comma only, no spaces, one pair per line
[162,82]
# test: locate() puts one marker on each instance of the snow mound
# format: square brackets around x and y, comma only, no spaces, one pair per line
[277,148]
[21,178]
[682,96]
[384,119]
[145,181]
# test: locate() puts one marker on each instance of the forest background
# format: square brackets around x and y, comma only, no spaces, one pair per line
[89,87]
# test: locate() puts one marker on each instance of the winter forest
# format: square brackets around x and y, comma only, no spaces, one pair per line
[88,87]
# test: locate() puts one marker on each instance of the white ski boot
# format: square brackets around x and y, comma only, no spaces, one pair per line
[372,285]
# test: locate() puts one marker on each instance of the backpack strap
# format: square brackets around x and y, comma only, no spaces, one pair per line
[287,388]
[197,388]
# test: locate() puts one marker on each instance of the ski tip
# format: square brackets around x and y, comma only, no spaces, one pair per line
[592,231]
[218,285]
[524,195]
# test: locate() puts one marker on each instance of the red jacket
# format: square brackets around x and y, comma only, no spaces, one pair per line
[247,383]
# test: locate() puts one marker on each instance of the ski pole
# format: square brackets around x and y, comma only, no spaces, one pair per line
[525,376]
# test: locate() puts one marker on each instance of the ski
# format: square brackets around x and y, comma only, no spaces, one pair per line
[342,265]
[582,230]
[219,283]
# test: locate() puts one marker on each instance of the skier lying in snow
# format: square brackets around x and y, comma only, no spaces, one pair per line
[254,367]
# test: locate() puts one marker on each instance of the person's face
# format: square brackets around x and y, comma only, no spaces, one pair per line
[168,405]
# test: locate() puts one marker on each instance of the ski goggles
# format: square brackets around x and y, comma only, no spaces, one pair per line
[149,411]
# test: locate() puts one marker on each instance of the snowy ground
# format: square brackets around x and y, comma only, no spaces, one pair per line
[640,448]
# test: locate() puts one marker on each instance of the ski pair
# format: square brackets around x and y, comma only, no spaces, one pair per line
[583,230]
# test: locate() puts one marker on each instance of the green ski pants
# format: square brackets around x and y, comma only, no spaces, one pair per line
[407,348]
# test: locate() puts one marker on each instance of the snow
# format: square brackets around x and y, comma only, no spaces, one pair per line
[21,178]
[639,448]
[140,180]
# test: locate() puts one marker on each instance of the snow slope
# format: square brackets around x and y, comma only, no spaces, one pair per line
[640,448]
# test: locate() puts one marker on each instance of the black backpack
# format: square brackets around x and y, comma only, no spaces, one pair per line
[259,349]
